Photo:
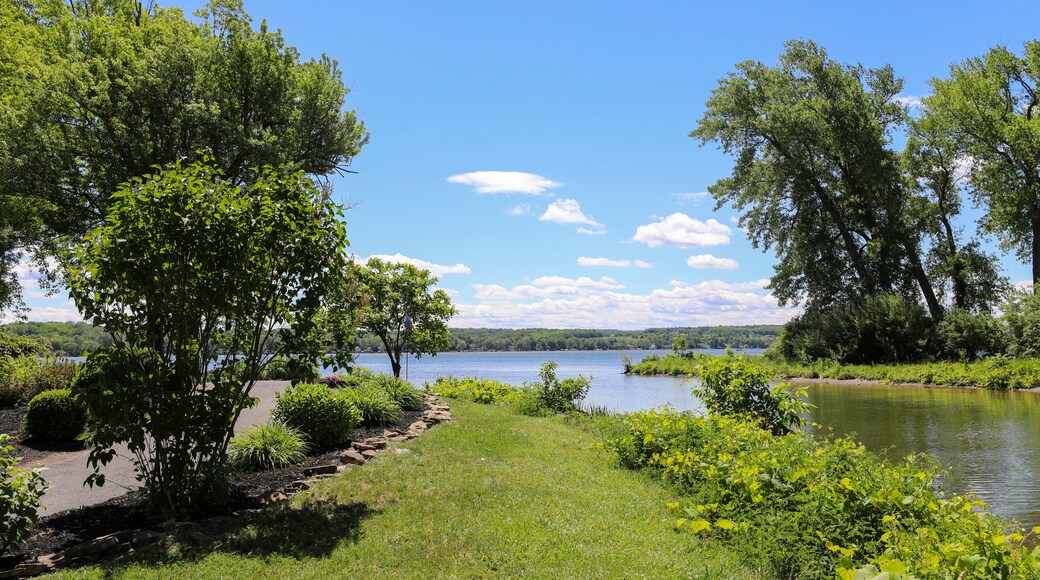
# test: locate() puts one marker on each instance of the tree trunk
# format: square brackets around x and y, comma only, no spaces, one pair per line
[395,365]
[934,308]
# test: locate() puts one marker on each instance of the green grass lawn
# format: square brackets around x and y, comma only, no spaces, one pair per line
[491,494]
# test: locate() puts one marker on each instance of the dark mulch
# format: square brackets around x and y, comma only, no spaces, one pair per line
[63,530]
[29,450]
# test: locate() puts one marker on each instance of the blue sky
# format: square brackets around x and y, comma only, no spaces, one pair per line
[535,154]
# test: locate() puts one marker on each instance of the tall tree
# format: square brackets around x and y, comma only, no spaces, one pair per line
[991,107]
[815,177]
[103,91]
[390,293]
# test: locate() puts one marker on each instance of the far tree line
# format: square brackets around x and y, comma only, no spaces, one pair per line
[81,338]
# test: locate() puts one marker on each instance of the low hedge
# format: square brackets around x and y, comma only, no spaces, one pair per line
[55,415]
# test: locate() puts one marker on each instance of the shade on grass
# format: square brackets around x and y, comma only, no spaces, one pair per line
[490,494]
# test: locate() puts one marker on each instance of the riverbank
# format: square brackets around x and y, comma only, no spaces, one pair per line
[489,494]
[995,373]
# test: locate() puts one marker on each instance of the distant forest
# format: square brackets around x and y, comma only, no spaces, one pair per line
[77,338]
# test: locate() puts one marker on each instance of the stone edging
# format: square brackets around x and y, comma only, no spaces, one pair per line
[111,546]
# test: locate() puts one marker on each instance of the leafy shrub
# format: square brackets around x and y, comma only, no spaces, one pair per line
[556,396]
[1022,316]
[20,493]
[23,378]
[407,397]
[325,417]
[883,328]
[357,376]
[55,415]
[963,335]
[267,446]
[472,389]
[14,346]
[731,385]
[284,369]
[819,507]
[375,405]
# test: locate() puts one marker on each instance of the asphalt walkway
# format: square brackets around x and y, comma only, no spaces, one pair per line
[66,472]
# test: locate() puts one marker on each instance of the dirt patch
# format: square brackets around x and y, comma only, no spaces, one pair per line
[63,530]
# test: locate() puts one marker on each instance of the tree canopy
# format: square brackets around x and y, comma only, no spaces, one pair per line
[391,292]
[94,94]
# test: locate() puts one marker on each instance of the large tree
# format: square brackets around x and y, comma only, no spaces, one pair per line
[990,106]
[189,266]
[389,293]
[815,177]
[94,94]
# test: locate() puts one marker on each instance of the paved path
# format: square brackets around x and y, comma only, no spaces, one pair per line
[66,472]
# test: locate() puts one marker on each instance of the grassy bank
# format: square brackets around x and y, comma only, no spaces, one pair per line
[993,373]
[490,494]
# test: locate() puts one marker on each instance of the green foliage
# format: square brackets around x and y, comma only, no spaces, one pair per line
[679,344]
[62,338]
[541,339]
[55,415]
[556,396]
[882,328]
[473,389]
[186,266]
[20,492]
[270,445]
[324,416]
[1022,317]
[13,345]
[400,391]
[23,378]
[816,507]
[390,292]
[963,335]
[375,404]
[274,369]
[731,385]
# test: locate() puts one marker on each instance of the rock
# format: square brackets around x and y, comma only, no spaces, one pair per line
[25,570]
[390,433]
[319,469]
[145,538]
[368,454]
[376,442]
[303,484]
[341,468]
[54,560]
[92,547]
[357,445]
[274,498]
[418,427]
[400,438]
[352,457]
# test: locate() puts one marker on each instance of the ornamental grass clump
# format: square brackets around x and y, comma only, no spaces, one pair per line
[324,416]
[55,415]
[408,397]
[270,445]
[375,406]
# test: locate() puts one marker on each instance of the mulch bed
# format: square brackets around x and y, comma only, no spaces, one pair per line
[63,530]
[29,450]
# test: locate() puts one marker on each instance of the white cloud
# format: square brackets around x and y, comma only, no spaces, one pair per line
[451,292]
[709,261]
[707,303]
[568,211]
[682,231]
[694,198]
[605,282]
[607,262]
[484,182]
[437,270]
[962,168]
[912,101]
[589,232]
[519,210]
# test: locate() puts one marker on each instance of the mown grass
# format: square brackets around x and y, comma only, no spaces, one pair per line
[991,373]
[491,494]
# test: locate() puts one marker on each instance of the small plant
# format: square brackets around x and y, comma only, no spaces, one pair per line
[732,385]
[55,415]
[401,391]
[376,406]
[267,446]
[556,396]
[20,492]
[325,417]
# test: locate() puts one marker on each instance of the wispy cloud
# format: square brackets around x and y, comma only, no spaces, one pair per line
[437,270]
[709,261]
[694,198]
[590,232]
[607,262]
[911,101]
[519,210]
[682,231]
[489,182]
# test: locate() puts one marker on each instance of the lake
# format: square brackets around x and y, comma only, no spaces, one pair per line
[987,439]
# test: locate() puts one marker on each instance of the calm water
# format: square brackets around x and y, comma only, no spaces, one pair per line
[987,439]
